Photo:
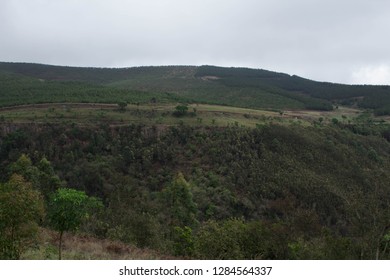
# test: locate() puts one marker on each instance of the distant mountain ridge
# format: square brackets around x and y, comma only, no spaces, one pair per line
[240,87]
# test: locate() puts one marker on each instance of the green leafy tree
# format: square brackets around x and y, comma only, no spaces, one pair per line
[122,106]
[67,210]
[220,240]
[179,202]
[21,208]
[24,167]
[180,110]
[183,241]
[48,180]
[41,175]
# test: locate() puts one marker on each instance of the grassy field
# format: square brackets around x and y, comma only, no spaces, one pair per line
[162,114]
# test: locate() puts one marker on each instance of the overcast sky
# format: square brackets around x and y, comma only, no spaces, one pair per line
[327,40]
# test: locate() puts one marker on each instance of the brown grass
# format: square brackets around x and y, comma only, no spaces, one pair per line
[84,247]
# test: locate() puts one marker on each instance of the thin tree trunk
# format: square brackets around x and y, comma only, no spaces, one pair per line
[60,246]
[385,249]
[377,253]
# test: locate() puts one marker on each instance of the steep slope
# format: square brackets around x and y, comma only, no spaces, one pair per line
[273,192]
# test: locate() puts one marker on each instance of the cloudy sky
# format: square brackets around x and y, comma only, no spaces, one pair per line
[327,40]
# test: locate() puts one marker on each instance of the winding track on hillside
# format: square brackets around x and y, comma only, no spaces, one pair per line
[61,105]
[309,115]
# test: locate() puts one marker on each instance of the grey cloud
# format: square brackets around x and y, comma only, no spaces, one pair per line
[323,40]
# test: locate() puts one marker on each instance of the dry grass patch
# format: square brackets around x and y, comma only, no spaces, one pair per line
[84,247]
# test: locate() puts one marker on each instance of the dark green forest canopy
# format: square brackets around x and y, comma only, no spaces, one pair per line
[304,192]
[374,97]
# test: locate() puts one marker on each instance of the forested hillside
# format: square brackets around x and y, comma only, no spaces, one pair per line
[23,83]
[315,95]
[273,192]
